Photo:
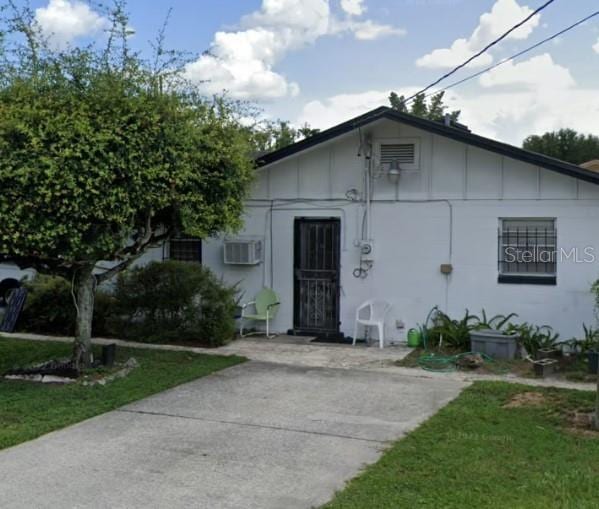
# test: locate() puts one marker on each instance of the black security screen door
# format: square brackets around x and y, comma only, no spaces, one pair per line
[316,276]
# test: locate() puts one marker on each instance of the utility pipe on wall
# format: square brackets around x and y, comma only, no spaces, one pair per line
[368,172]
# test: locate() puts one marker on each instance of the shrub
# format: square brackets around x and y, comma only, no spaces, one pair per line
[589,343]
[49,308]
[455,333]
[174,301]
[534,337]
[497,322]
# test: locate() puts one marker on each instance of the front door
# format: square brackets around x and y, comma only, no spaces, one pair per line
[316,276]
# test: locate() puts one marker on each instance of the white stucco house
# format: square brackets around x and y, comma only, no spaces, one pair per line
[418,213]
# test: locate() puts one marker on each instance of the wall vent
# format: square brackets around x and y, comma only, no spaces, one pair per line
[403,153]
[242,252]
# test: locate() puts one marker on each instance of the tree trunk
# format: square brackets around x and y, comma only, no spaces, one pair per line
[85,290]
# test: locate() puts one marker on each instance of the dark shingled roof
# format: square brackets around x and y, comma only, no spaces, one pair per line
[454,133]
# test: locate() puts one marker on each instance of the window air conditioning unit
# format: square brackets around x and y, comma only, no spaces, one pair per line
[243,252]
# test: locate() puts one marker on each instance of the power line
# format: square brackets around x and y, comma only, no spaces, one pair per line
[516,55]
[486,48]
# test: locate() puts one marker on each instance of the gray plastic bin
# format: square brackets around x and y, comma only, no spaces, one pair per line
[494,343]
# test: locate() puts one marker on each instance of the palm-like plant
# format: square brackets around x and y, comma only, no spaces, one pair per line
[534,337]
[455,333]
[589,343]
[497,322]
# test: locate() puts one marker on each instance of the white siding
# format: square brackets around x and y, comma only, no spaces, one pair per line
[347,169]
[412,241]
[315,174]
[465,186]
[520,180]
[483,175]
[554,185]
[448,169]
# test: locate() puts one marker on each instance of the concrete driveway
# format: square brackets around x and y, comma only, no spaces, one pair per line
[258,435]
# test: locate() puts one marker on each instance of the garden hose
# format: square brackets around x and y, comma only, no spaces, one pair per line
[424,328]
[447,363]
[437,362]
[431,361]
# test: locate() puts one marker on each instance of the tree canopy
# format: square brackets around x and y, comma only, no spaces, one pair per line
[565,144]
[105,155]
[434,109]
[273,135]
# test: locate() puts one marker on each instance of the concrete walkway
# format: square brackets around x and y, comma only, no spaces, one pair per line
[258,435]
[302,352]
[283,349]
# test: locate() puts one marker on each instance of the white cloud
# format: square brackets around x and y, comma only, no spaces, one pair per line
[243,62]
[596,47]
[532,73]
[353,7]
[503,15]
[531,97]
[62,21]
[460,50]
[339,108]
[510,116]
[369,31]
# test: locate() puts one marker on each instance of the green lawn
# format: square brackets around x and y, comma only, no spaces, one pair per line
[475,453]
[28,409]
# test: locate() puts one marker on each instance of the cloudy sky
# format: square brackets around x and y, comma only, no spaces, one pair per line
[325,61]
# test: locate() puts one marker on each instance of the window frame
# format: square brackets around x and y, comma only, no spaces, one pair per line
[183,239]
[527,277]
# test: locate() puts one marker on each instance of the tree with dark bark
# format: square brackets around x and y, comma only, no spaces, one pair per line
[103,156]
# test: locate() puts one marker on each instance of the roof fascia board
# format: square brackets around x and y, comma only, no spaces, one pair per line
[456,134]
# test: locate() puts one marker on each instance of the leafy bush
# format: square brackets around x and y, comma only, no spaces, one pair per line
[497,322]
[174,301]
[534,337]
[454,333]
[49,307]
[589,343]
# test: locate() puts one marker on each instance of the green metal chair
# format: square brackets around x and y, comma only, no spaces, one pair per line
[266,304]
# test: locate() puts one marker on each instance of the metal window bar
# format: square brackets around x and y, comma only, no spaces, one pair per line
[527,250]
[186,249]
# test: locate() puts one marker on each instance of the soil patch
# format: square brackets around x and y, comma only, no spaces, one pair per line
[582,423]
[524,399]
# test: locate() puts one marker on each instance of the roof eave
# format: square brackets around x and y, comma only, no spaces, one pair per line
[435,128]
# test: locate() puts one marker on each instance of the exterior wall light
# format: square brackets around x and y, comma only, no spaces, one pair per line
[394,170]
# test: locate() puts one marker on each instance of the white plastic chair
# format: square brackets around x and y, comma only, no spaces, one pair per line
[377,310]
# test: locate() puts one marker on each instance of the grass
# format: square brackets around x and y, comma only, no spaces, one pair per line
[578,371]
[28,410]
[476,453]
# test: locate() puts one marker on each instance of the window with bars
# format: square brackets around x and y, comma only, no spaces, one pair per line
[527,251]
[185,249]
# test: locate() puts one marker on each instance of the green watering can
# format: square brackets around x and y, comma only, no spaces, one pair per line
[414,338]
